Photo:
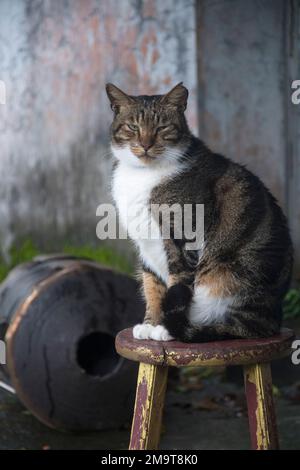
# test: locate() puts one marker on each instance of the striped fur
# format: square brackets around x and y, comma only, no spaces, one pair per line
[233,287]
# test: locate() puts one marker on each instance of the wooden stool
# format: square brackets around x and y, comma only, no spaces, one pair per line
[155,357]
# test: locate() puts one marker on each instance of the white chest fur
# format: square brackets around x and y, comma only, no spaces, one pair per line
[131,189]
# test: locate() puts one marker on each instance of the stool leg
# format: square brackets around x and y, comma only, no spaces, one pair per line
[261,410]
[149,403]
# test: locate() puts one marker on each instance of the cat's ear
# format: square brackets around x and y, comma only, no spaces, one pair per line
[176,97]
[117,97]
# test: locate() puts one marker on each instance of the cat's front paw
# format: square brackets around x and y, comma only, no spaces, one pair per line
[142,331]
[147,331]
[160,333]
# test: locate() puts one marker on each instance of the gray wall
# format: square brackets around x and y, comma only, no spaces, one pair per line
[248,55]
[292,22]
[55,58]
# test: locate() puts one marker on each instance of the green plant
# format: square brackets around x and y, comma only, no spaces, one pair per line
[102,254]
[291,305]
[27,250]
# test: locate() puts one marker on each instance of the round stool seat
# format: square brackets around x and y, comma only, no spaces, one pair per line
[215,353]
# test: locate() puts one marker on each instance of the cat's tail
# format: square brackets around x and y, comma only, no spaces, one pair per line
[176,306]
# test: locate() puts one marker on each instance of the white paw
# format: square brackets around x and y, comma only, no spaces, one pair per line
[146,331]
[142,331]
[159,333]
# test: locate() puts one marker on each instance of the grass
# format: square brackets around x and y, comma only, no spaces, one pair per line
[102,254]
[26,252]
[291,306]
[109,257]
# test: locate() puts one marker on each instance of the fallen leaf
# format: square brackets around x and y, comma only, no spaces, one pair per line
[207,403]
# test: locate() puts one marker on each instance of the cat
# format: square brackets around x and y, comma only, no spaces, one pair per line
[233,285]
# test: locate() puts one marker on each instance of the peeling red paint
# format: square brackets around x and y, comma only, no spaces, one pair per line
[261,409]
[251,395]
[137,429]
[255,355]
[222,352]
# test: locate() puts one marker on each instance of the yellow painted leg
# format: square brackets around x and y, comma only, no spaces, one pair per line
[149,402]
[261,411]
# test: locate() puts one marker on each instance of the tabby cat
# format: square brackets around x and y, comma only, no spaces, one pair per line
[233,285]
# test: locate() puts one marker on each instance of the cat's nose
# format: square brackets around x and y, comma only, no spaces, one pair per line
[146,145]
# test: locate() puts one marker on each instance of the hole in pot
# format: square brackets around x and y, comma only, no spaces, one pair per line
[96,354]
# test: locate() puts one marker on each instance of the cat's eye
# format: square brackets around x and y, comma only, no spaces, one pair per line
[132,127]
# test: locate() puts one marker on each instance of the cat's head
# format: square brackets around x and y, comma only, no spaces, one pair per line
[148,129]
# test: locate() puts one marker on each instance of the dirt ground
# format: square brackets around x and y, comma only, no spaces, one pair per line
[202,411]
[205,409]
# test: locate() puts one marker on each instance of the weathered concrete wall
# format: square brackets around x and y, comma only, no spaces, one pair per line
[248,55]
[292,21]
[241,84]
[55,58]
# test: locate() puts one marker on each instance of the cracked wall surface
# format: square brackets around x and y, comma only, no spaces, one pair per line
[55,58]
[249,54]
